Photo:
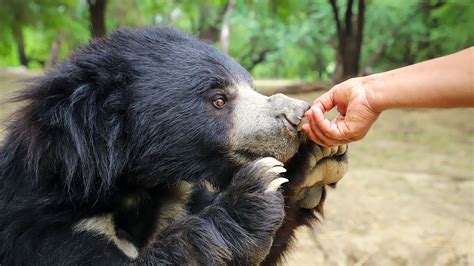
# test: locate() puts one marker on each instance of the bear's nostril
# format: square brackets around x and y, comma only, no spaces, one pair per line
[294,120]
[295,116]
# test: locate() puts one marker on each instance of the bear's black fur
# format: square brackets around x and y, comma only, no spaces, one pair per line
[106,163]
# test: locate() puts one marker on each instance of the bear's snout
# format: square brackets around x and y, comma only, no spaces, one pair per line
[290,109]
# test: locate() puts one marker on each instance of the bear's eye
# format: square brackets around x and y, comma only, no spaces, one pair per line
[218,103]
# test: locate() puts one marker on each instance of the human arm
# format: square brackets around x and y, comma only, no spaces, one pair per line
[445,82]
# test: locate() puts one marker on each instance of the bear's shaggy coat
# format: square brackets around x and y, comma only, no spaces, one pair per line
[118,157]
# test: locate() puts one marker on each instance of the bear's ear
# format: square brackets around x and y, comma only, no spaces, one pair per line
[72,129]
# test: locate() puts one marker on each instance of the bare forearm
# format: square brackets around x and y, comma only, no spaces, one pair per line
[445,82]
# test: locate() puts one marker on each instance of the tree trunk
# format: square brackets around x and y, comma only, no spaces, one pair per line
[349,38]
[54,52]
[210,31]
[209,34]
[20,44]
[97,17]
[225,31]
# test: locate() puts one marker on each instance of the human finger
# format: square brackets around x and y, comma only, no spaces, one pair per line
[318,131]
[327,140]
[322,124]
[325,102]
[309,133]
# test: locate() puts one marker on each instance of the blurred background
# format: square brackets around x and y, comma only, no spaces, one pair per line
[408,197]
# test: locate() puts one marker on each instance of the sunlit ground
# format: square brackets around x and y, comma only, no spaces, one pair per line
[408,197]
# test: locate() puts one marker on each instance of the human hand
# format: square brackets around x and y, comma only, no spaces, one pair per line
[352,99]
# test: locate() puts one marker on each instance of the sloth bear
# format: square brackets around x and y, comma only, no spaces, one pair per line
[149,147]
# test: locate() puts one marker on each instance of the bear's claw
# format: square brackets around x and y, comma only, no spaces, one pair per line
[277,170]
[269,162]
[274,167]
[275,184]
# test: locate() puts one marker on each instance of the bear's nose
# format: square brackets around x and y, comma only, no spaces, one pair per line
[289,108]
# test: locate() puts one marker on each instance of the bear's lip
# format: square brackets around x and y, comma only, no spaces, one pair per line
[294,122]
[302,121]
[290,125]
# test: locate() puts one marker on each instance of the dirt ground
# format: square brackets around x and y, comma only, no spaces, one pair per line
[407,199]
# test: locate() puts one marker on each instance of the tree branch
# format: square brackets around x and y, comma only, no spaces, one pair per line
[223,10]
[97,17]
[348,17]
[360,28]
[335,11]
[225,30]
[427,6]
[262,55]
[210,30]
[360,18]
[393,35]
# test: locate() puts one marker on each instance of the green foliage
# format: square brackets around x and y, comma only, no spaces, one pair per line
[453,26]
[40,21]
[405,32]
[272,38]
[297,36]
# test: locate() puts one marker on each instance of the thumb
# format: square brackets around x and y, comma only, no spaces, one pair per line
[325,102]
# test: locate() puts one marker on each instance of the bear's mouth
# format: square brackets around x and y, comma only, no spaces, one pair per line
[290,125]
[299,126]
[294,122]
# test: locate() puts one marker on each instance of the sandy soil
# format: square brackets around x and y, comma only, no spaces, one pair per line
[407,199]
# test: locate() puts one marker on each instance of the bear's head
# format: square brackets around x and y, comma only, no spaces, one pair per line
[153,105]
[197,109]
[196,112]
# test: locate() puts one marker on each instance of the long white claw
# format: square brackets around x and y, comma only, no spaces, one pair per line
[270,161]
[275,184]
[277,169]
